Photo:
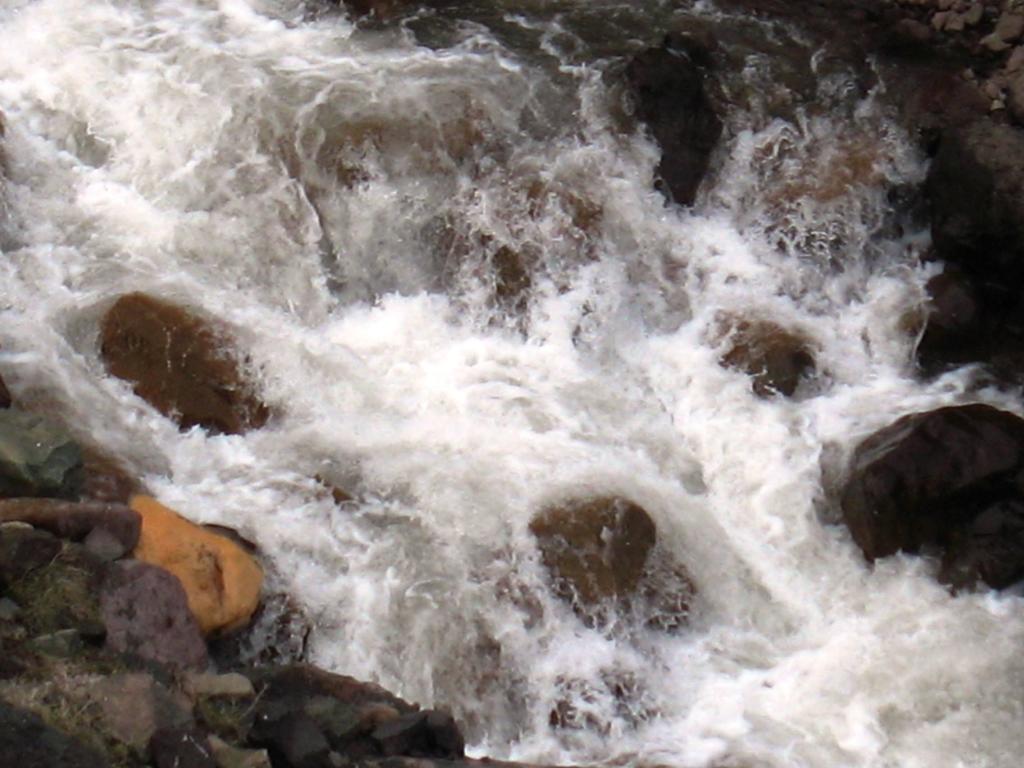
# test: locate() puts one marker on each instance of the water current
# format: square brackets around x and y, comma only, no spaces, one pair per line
[346,198]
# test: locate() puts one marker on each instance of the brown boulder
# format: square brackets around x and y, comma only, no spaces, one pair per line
[179,364]
[596,550]
[777,359]
[221,579]
[5,395]
[945,479]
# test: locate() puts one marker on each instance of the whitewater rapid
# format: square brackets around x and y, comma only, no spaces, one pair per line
[340,196]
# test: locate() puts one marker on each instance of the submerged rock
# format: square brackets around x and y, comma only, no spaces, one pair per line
[221,579]
[666,84]
[601,554]
[595,550]
[37,458]
[146,613]
[946,478]
[180,364]
[776,359]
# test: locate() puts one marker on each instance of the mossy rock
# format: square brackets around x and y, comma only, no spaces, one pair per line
[62,594]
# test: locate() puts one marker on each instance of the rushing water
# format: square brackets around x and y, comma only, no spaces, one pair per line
[342,196]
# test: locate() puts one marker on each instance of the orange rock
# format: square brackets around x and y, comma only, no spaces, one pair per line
[221,580]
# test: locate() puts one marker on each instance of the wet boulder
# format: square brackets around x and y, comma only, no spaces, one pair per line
[946,479]
[595,550]
[37,458]
[777,359]
[975,193]
[222,580]
[667,87]
[180,364]
[146,614]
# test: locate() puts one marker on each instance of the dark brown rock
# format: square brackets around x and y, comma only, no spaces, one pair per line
[180,364]
[776,359]
[420,734]
[666,84]
[75,520]
[975,191]
[26,741]
[181,748]
[990,549]
[946,478]
[5,395]
[302,712]
[596,550]
[146,614]
[293,740]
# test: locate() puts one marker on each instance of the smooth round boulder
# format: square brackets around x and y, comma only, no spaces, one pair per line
[221,579]
[180,364]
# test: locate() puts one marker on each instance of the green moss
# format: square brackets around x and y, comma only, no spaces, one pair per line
[61,595]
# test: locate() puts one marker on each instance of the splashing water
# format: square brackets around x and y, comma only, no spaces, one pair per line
[465,300]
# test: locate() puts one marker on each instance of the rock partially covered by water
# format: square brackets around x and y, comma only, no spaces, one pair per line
[221,579]
[975,190]
[37,458]
[666,84]
[601,554]
[180,364]
[946,479]
[595,550]
[777,359]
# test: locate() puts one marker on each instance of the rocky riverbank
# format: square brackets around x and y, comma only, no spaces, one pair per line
[131,636]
